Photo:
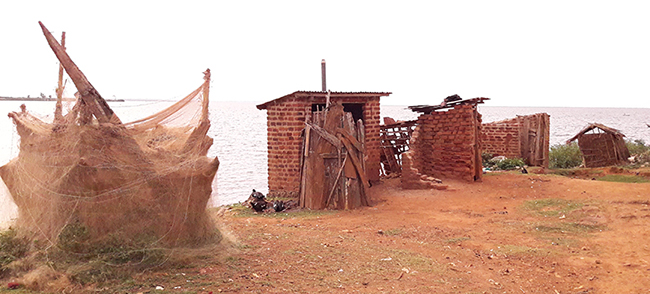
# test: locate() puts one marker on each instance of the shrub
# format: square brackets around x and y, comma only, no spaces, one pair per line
[565,156]
[501,162]
[12,247]
[486,159]
[510,163]
[637,147]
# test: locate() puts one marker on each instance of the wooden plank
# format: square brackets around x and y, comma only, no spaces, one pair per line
[330,168]
[357,165]
[306,141]
[524,135]
[314,172]
[338,177]
[350,138]
[325,135]
[361,134]
[390,157]
[478,162]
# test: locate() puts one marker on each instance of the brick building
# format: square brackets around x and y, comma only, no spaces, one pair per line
[447,141]
[286,121]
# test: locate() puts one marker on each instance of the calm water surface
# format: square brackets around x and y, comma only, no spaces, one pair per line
[239,132]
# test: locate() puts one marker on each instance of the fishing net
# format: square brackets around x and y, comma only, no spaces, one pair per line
[90,177]
[149,179]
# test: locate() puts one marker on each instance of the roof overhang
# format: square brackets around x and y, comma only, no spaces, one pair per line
[322,94]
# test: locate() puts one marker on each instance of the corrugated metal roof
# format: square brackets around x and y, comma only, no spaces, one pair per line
[431,108]
[322,93]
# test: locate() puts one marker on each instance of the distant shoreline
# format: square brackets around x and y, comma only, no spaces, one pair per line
[47,99]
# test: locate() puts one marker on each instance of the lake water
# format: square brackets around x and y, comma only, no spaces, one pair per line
[239,132]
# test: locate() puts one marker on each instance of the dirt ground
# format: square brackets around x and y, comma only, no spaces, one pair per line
[510,233]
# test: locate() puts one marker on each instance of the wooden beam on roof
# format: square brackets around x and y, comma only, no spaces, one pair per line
[592,126]
[431,108]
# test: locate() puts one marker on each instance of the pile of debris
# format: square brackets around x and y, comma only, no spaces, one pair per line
[412,179]
[257,202]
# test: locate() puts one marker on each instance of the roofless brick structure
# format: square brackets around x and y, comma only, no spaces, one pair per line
[286,121]
[525,137]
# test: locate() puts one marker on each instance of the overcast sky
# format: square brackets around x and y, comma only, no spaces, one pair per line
[518,53]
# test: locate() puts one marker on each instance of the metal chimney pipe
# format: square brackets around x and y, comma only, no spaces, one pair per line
[322,67]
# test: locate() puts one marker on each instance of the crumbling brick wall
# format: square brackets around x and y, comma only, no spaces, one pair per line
[525,137]
[501,138]
[285,123]
[446,144]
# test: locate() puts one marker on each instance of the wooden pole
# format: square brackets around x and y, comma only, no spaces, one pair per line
[206,95]
[96,104]
[322,68]
[58,112]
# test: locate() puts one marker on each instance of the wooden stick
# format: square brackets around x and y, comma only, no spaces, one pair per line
[303,167]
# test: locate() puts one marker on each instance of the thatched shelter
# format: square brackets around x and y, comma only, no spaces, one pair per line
[601,145]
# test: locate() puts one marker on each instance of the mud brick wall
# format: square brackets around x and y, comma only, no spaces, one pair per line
[285,123]
[371,116]
[445,143]
[502,138]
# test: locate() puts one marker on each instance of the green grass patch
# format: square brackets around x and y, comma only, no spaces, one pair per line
[574,228]
[456,240]
[565,242]
[517,250]
[623,179]
[551,207]
[393,232]
[12,248]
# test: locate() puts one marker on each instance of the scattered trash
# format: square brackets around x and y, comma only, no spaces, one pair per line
[386,259]
[13,285]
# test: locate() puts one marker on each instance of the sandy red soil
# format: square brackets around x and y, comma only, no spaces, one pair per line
[487,237]
[510,233]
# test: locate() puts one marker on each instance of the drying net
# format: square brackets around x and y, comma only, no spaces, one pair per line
[145,180]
